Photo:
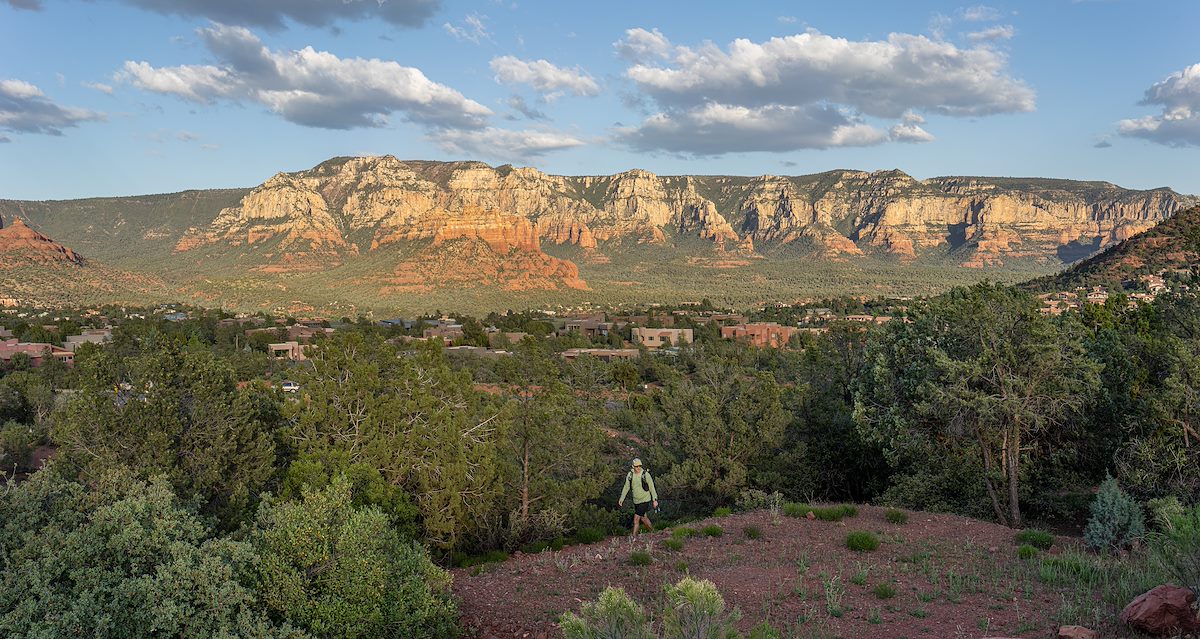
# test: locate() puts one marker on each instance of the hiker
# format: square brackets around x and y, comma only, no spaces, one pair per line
[641,484]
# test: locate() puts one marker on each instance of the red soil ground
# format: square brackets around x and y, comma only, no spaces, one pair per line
[954,577]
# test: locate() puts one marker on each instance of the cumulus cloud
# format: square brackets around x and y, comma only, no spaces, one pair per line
[99,86]
[714,129]
[472,30]
[505,144]
[979,13]
[1179,122]
[25,109]
[809,90]
[543,76]
[640,45]
[993,34]
[308,87]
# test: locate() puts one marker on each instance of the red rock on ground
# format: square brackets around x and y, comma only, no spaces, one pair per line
[1163,611]
[1077,632]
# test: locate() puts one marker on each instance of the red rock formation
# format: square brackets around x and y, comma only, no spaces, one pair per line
[20,243]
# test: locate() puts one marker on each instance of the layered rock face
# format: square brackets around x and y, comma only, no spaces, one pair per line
[499,217]
[21,245]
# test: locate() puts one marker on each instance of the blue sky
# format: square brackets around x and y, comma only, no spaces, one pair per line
[121,97]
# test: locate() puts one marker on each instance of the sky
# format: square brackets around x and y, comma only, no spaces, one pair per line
[126,97]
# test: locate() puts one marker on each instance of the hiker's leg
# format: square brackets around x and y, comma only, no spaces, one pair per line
[637,520]
[649,526]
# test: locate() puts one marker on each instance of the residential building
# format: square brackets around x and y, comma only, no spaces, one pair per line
[761,334]
[447,331]
[38,352]
[653,338]
[589,328]
[293,351]
[603,354]
[89,336]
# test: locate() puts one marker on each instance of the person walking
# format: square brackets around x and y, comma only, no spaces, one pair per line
[641,484]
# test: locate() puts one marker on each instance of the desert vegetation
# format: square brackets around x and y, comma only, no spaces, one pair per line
[167,469]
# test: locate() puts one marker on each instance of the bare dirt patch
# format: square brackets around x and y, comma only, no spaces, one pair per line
[953,577]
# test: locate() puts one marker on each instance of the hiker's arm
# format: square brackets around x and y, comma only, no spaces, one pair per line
[624,491]
[653,492]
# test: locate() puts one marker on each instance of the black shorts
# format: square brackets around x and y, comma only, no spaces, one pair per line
[642,508]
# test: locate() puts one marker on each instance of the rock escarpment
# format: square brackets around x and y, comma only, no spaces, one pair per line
[446,217]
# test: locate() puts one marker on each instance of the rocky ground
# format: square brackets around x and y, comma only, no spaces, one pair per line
[953,577]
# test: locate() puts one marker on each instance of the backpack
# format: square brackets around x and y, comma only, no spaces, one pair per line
[645,484]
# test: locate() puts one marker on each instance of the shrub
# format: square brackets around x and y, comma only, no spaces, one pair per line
[884,590]
[673,543]
[896,516]
[828,513]
[16,445]
[540,526]
[722,512]
[640,558]
[613,614]
[792,509]
[1026,551]
[683,532]
[752,532]
[862,541]
[752,499]
[1164,510]
[1178,548]
[589,535]
[590,516]
[1039,539]
[696,610]
[681,566]
[764,631]
[1117,521]
[712,530]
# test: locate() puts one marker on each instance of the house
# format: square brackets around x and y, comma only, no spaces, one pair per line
[602,354]
[761,334]
[511,338]
[176,316]
[865,319]
[478,351]
[1098,295]
[89,336]
[819,314]
[293,351]
[589,328]
[657,337]
[447,331]
[38,352]
[295,332]
[5,333]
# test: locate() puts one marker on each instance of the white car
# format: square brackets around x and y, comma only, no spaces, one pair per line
[289,387]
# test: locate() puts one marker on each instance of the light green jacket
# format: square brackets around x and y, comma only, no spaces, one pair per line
[639,496]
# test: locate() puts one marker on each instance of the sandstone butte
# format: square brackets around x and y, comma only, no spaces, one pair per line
[20,245]
[500,217]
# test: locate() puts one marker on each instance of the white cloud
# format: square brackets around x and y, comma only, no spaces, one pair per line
[640,44]
[25,109]
[308,87]
[787,19]
[1179,122]
[518,104]
[993,34]
[809,90]
[99,86]
[504,144]
[714,129]
[979,13]
[472,30]
[543,76]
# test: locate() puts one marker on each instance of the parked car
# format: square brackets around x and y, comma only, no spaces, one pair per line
[289,387]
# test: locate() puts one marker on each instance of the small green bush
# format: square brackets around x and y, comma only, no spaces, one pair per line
[1178,548]
[696,609]
[752,532]
[673,543]
[613,614]
[681,566]
[1026,551]
[683,532]
[792,509]
[896,516]
[764,631]
[589,535]
[862,541]
[1037,538]
[827,513]
[722,512]
[712,530]
[1117,521]
[640,558]
[1164,510]
[884,590]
